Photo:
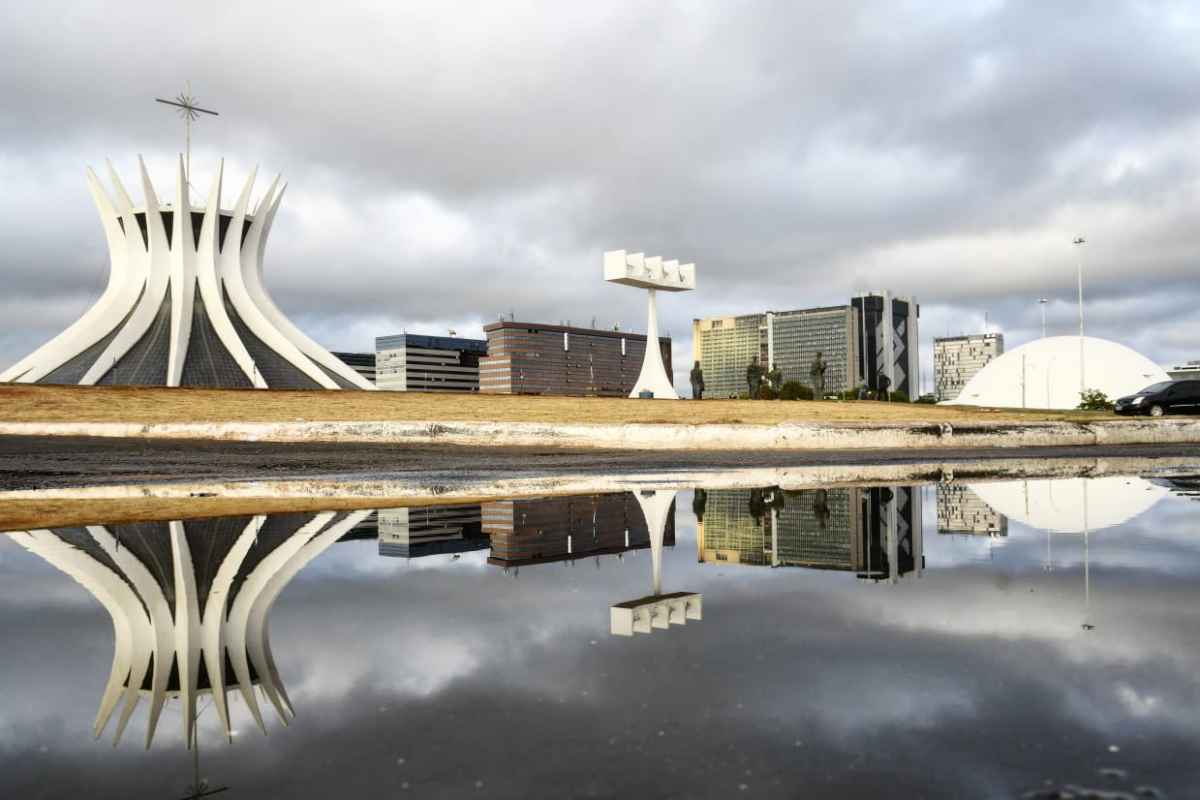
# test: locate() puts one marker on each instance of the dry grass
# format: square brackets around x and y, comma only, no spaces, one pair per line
[25,403]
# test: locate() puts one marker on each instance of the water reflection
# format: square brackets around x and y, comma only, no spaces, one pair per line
[874,532]
[188,603]
[398,667]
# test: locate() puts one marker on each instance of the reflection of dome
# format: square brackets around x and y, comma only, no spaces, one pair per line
[1046,371]
[1057,505]
[189,603]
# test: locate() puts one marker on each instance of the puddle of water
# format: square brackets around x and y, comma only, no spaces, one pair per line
[1006,639]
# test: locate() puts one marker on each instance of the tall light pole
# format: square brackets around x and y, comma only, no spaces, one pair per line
[1079,240]
[1042,303]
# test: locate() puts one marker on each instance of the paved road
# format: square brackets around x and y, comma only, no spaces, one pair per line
[49,462]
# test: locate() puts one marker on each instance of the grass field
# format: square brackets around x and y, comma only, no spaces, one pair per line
[27,403]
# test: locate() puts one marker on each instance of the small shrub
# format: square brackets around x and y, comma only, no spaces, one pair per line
[795,390]
[899,397]
[765,392]
[1094,400]
[850,394]
[927,399]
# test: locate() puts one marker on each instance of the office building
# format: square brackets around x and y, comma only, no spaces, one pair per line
[961,510]
[1185,372]
[874,532]
[430,530]
[531,358]
[185,303]
[362,363]
[890,337]
[410,362]
[956,359]
[547,529]
[789,340]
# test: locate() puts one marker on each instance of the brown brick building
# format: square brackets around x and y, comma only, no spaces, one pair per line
[530,358]
[545,529]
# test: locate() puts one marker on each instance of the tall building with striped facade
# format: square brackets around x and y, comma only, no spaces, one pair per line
[532,358]
[413,363]
[956,359]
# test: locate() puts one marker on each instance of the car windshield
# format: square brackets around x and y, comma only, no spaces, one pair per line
[1156,387]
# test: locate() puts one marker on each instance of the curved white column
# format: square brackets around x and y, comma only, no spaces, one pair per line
[183,278]
[231,275]
[162,629]
[114,304]
[149,258]
[128,619]
[209,281]
[252,268]
[653,377]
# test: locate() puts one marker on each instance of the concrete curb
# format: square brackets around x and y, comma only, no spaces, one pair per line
[727,437]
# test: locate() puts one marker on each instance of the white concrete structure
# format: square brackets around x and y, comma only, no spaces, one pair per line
[651,274]
[185,303]
[1071,505]
[221,594]
[656,610]
[1045,374]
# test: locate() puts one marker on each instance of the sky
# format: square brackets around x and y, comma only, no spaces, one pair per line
[449,163]
[974,679]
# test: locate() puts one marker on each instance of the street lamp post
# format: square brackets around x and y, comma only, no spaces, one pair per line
[1042,303]
[1079,240]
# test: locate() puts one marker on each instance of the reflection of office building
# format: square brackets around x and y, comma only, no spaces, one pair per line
[960,510]
[189,603]
[412,363]
[875,532]
[531,358]
[362,363]
[889,328]
[545,529]
[789,340]
[430,530]
[956,359]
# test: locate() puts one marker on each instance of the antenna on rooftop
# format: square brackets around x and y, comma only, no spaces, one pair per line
[188,111]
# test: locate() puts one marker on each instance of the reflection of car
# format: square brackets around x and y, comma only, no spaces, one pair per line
[1168,397]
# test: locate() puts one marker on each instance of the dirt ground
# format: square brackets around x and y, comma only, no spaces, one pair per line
[26,403]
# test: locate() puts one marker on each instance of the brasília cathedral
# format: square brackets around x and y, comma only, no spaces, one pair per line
[185,303]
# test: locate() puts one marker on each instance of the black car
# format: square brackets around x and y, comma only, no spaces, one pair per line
[1168,397]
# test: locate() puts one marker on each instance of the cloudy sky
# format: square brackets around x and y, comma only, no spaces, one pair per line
[447,165]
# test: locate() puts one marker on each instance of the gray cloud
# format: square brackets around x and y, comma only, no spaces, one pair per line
[446,167]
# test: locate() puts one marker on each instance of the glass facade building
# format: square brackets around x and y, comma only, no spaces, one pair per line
[789,340]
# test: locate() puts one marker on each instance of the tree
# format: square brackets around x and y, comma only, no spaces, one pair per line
[1094,400]
[754,376]
[817,373]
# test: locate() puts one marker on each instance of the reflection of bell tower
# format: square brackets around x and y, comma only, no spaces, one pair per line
[656,610]
[189,604]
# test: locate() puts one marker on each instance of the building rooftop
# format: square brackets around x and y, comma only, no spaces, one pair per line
[541,326]
[432,342]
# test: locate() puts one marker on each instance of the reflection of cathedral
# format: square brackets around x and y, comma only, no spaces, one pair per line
[875,532]
[189,604]
[960,510]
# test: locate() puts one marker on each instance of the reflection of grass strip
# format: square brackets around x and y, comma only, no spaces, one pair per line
[24,403]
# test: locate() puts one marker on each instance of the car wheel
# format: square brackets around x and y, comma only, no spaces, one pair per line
[1156,410]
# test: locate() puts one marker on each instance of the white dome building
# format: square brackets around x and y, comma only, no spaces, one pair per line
[1065,506]
[1045,374]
